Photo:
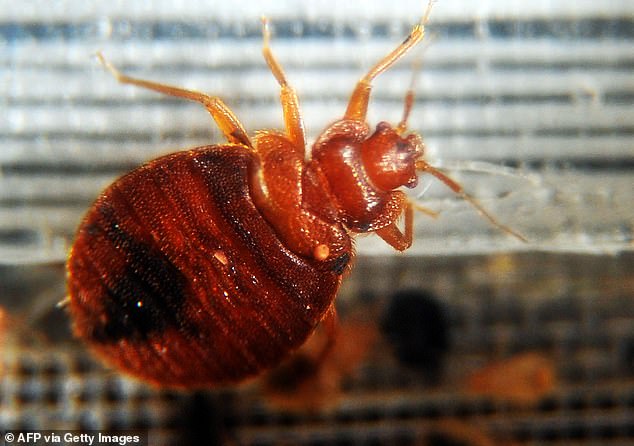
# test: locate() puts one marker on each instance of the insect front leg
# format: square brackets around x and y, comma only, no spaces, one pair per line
[226,120]
[393,236]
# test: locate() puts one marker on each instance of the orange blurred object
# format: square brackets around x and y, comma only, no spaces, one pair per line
[522,379]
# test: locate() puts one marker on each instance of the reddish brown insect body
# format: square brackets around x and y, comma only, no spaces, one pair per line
[176,277]
[208,266]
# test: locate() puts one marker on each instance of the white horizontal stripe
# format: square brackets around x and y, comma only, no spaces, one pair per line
[348,11]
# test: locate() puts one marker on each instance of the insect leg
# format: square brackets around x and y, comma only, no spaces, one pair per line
[393,236]
[358,104]
[288,97]
[222,114]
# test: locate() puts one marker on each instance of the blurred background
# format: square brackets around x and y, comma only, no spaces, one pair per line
[470,337]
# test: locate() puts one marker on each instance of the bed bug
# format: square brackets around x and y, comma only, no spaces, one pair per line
[208,266]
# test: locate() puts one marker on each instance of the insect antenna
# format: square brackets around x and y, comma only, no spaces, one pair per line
[410,95]
[408,102]
[424,166]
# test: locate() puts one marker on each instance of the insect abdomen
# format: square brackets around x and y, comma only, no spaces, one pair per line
[175,276]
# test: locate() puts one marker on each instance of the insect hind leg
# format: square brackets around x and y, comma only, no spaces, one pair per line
[222,114]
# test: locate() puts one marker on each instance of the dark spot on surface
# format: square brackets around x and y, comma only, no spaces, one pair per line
[148,296]
[340,263]
[416,325]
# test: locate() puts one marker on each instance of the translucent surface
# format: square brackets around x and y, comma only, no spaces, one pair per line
[545,88]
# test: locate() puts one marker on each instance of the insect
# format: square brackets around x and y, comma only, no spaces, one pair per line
[208,266]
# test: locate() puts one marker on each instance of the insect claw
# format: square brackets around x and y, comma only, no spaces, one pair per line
[108,66]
